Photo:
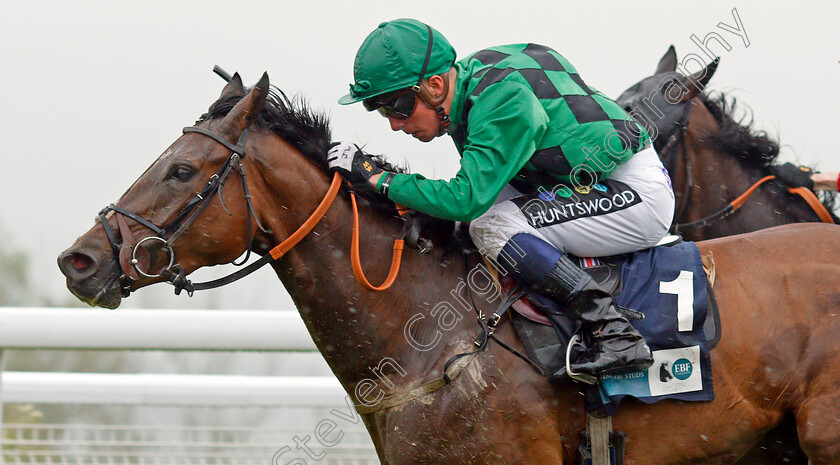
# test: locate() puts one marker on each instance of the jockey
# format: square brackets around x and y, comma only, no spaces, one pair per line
[549,167]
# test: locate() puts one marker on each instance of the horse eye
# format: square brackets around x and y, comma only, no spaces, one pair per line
[181,173]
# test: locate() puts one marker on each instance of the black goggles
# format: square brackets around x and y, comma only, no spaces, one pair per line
[397,105]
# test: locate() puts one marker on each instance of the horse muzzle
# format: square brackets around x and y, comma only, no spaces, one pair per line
[92,276]
[100,274]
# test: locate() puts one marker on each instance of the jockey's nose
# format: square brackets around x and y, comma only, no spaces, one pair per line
[396,124]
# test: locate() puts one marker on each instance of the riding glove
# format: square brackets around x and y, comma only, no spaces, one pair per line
[351,163]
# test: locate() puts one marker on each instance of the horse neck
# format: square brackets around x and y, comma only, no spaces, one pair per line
[363,333]
[719,177]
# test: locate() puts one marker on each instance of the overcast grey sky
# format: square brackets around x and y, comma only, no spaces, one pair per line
[94,91]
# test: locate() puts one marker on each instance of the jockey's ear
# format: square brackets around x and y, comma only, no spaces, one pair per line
[668,63]
[434,89]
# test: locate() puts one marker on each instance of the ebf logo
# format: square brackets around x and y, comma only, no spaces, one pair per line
[682,369]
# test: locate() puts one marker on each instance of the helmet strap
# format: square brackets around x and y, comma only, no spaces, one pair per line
[444,119]
[434,102]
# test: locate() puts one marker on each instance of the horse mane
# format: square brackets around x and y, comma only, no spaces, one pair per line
[737,136]
[754,148]
[305,129]
[308,131]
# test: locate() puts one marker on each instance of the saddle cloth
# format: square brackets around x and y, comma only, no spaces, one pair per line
[666,296]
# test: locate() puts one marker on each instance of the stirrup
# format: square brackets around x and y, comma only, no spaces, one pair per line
[581,377]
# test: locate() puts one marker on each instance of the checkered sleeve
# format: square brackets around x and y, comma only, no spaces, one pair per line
[506,124]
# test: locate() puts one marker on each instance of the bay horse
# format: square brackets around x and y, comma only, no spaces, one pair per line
[776,292]
[713,157]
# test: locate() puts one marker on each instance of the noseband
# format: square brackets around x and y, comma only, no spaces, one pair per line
[129,254]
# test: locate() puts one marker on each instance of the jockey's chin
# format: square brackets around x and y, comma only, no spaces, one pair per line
[424,136]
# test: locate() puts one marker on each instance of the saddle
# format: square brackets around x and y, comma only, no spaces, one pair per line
[549,346]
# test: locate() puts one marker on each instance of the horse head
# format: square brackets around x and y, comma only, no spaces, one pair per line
[194,190]
[661,102]
[713,156]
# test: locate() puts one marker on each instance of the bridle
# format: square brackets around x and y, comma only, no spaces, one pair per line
[130,256]
[677,144]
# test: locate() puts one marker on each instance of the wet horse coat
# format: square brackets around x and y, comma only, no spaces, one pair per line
[776,291]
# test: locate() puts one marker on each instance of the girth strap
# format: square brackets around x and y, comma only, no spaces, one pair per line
[450,373]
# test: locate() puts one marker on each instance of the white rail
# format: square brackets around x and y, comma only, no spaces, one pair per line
[200,330]
[171,390]
[101,329]
[169,330]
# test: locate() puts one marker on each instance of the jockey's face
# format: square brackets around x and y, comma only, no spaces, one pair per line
[423,124]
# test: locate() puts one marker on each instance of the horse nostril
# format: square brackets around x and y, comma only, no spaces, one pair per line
[77,265]
[80,261]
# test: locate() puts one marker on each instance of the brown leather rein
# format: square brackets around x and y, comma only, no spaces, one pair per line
[130,256]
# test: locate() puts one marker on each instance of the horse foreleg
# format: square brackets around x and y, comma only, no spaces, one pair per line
[818,423]
[779,447]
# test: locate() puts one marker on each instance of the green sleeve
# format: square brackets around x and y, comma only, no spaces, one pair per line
[505,125]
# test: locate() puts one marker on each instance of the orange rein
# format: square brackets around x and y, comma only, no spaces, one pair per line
[803,192]
[355,260]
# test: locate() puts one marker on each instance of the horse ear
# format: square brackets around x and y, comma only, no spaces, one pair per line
[246,111]
[703,76]
[699,80]
[233,87]
[668,63]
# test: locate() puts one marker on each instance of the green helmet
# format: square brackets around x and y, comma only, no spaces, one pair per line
[393,56]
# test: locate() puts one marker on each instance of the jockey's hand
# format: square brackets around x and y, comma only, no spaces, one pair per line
[794,175]
[347,159]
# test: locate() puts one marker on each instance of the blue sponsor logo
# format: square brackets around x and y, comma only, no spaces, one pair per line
[682,369]
[600,187]
[547,196]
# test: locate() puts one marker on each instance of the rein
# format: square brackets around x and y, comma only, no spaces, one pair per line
[733,206]
[130,256]
[681,135]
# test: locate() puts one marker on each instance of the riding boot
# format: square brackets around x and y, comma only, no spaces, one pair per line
[616,346]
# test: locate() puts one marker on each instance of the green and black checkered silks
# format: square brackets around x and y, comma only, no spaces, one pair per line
[521,115]
[585,127]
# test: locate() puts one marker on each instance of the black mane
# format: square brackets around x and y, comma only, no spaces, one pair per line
[753,147]
[737,136]
[306,130]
